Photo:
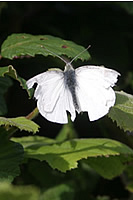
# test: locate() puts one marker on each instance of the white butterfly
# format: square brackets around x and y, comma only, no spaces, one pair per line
[85,89]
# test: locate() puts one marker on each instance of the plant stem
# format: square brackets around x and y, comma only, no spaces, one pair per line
[33,114]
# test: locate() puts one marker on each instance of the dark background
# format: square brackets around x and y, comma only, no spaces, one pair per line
[106,26]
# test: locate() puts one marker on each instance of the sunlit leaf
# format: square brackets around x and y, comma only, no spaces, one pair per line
[35,141]
[65,156]
[25,44]
[20,122]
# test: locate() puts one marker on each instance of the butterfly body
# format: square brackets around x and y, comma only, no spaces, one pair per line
[71,83]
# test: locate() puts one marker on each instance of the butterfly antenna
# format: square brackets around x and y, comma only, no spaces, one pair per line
[55,54]
[79,54]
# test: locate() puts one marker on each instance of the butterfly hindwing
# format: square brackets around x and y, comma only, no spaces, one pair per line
[59,114]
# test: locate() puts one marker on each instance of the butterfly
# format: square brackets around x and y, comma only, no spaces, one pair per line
[84,89]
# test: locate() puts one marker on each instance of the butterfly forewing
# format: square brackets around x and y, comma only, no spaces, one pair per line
[106,77]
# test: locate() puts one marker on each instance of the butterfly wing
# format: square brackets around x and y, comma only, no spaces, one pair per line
[53,99]
[94,90]
[59,114]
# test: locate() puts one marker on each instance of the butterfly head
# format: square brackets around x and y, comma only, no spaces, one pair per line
[68,67]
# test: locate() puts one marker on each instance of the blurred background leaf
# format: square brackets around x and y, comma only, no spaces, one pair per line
[128,6]
[11,192]
[59,192]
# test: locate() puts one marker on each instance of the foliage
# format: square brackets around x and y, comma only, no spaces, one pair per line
[11,155]
[20,122]
[25,44]
[122,112]
[10,71]
[64,162]
[13,193]
[64,156]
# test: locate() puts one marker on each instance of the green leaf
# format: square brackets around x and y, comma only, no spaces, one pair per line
[10,192]
[11,155]
[53,177]
[59,192]
[122,112]
[108,167]
[5,83]
[65,156]
[25,44]
[35,141]
[10,71]
[20,122]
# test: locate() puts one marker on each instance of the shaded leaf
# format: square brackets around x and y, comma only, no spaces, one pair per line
[11,155]
[5,83]
[122,112]
[26,44]
[65,156]
[10,71]
[53,177]
[18,192]
[109,167]
[20,122]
